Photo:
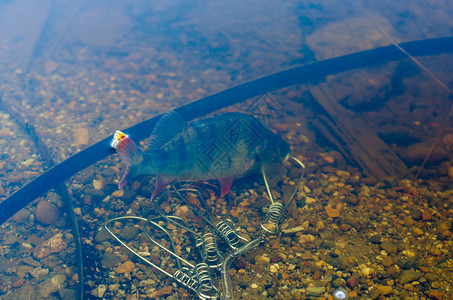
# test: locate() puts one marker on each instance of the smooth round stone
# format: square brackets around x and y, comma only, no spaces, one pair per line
[46,212]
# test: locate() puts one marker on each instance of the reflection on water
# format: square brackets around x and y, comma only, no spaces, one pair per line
[76,71]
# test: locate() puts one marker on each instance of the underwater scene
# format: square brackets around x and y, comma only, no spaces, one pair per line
[155,149]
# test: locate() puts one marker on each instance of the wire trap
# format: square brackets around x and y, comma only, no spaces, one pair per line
[198,255]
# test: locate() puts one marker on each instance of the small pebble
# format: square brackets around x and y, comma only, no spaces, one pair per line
[18,283]
[97,184]
[345,227]
[435,251]
[418,231]
[434,295]
[30,261]
[125,267]
[281,127]
[408,221]
[409,276]
[50,285]
[374,293]
[316,275]
[375,239]
[343,174]
[328,159]
[101,290]
[110,259]
[168,290]
[264,259]
[315,290]
[332,212]
[118,193]
[416,215]
[276,258]
[273,269]
[320,225]
[271,291]
[28,162]
[389,247]
[21,216]
[129,233]
[431,277]
[95,194]
[251,229]
[87,200]
[240,263]
[352,282]
[385,289]
[371,180]
[387,261]
[366,271]
[353,294]
[306,239]
[408,253]
[291,94]
[294,229]
[426,216]
[353,200]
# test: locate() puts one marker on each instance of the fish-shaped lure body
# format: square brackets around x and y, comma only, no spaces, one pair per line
[222,147]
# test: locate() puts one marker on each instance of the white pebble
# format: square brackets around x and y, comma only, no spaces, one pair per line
[310,200]
[28,162]
[97,184]
[273,269]
[366,271]
[101,290]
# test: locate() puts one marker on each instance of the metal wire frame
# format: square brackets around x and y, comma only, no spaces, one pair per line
[198,278]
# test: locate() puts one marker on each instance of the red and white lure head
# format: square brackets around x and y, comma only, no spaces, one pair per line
[132,156]
[117,138]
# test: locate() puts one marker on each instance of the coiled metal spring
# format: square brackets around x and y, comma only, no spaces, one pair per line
[209,251]
[206,288]
[186,277]
[226,231]
[272,219]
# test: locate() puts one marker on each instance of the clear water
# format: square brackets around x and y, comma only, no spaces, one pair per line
[77,71]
